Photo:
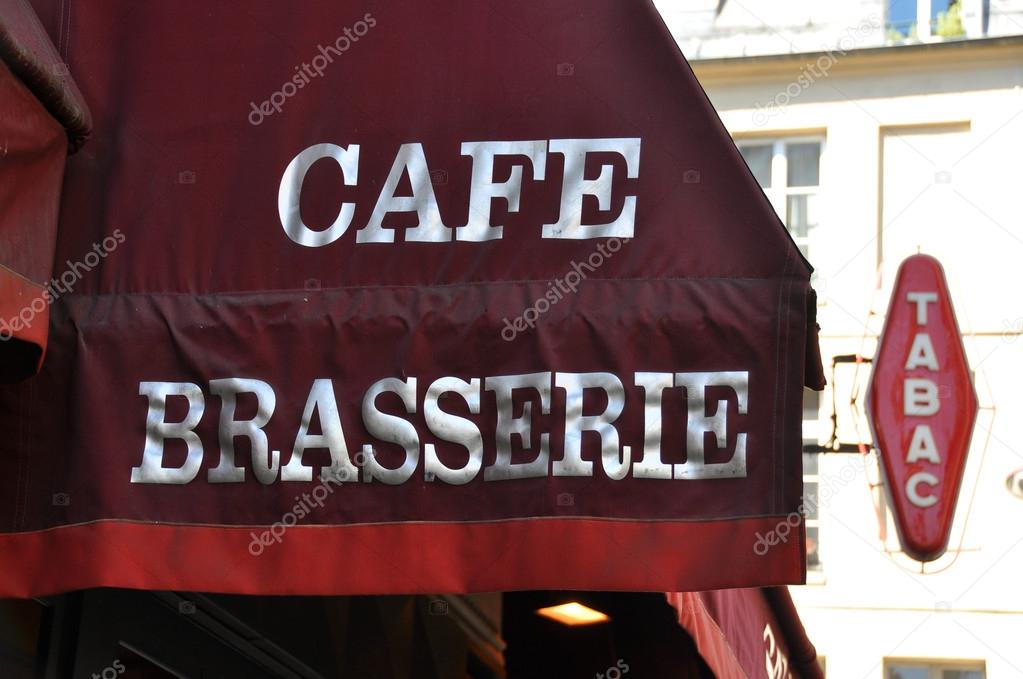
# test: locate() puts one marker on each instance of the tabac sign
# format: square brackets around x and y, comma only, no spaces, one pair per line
[922,407]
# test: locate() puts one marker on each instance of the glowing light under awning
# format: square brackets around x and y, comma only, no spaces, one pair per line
[573,613]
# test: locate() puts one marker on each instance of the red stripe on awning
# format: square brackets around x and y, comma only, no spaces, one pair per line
[369,559]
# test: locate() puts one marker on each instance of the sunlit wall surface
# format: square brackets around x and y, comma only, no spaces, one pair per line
[877,130]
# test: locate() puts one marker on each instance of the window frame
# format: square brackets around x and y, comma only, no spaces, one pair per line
[815,478]
[780,191]
[925,20]
[935,666]
[778,194]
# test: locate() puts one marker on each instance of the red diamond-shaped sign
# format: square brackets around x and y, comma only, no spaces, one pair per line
[922,407]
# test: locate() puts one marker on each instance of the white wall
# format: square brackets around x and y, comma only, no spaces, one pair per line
[873,605]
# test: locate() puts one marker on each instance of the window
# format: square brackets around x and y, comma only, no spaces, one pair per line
[789,171]
[933,669]
[811,501]
[901,22]
[915,19]
[811,479]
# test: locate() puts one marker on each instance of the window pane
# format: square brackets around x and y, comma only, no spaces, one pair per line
[946,18]
[907,672]
[813,559]
[810,501]
[758,157]
[962,674]
[939,7]
[811,404]
[901,15]
[804,164]
[801,215]
[810,464]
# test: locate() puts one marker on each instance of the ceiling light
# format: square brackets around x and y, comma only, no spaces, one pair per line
[573,613]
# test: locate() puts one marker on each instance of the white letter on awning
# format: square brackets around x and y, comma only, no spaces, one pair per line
[289,197]
[264,463]
[698,423]
[392,429]
[504,388]
[429,228]
[322,401]
[575,186]
[454,429]
[615,459]
[651,466]
[484,189]
[157,431]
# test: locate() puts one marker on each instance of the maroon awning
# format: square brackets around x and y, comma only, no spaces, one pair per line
[41,111]
[748,633]
[402,297]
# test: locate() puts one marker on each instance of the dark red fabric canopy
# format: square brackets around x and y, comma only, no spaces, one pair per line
[394,297]
[42,115]
[748,633]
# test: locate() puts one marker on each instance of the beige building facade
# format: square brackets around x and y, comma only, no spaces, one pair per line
[879,130]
